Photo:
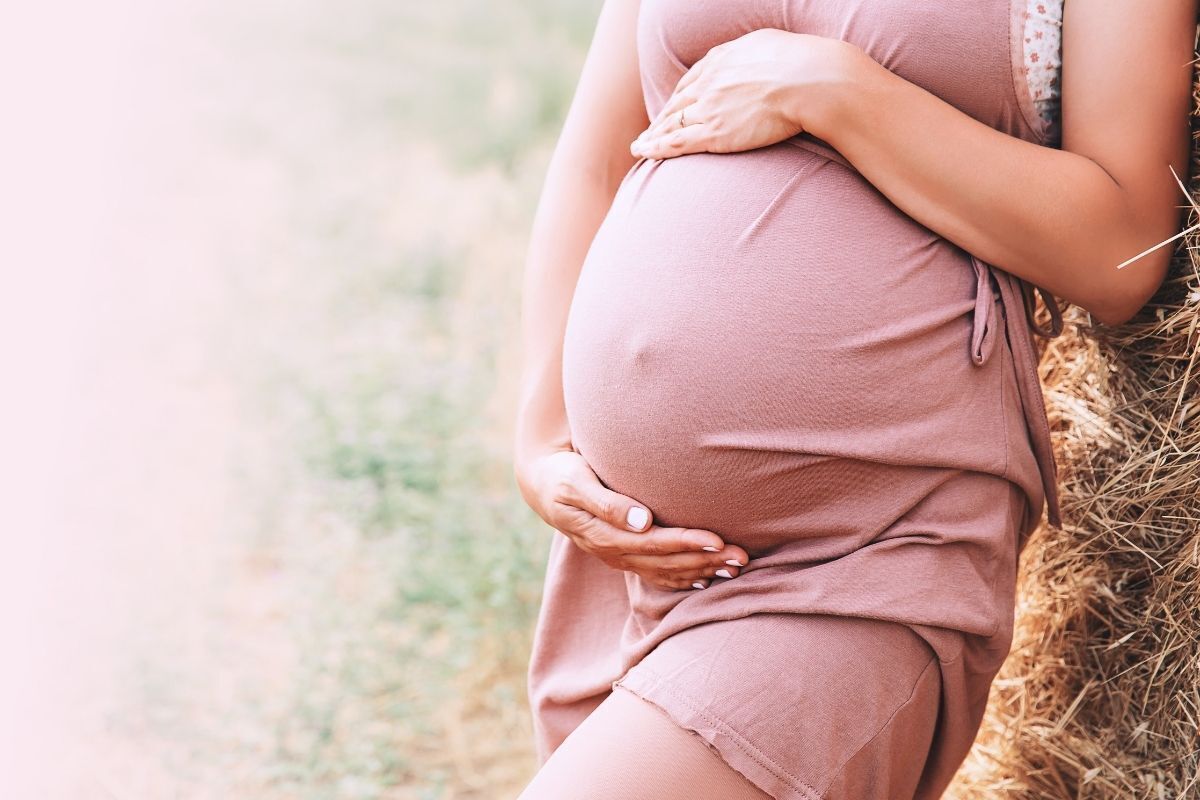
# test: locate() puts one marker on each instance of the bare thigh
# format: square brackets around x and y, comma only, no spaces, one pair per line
[628,749]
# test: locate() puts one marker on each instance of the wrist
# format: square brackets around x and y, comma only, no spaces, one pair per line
[528,467]
[528,452]
[838,96]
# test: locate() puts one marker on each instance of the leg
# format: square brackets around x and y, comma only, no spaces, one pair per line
[628,749]
[806,705]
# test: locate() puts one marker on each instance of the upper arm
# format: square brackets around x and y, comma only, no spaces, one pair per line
[1126,93]
[607,111]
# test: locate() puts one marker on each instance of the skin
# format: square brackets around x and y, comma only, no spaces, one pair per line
[585,170]
[629,748]
[1062,219]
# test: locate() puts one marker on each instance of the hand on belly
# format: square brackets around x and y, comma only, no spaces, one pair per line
[760,345]
[621,531]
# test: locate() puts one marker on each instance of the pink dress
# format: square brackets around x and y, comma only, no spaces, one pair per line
[761,344]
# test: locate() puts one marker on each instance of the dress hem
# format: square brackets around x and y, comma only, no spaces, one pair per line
[733,748]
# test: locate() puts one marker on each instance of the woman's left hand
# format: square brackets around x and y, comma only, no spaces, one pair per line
[758,89]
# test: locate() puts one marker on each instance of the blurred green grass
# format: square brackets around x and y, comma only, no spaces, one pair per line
[382,162]
[427,695]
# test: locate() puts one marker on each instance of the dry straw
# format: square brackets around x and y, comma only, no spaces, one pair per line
[1100,697]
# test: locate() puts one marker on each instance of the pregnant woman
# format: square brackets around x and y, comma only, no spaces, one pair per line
[780,398]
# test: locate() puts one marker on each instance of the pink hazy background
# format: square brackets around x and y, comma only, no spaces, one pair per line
[116,417]
[261,266]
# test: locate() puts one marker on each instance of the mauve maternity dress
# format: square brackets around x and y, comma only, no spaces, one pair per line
[761,344]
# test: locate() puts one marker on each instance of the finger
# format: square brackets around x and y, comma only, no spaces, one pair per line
[692,139]
[688,564]
[691,562]
[585,491]
[727,563]
[689,77]
[708,572]
[733,556]
[673,583]
[665,541]
[694,70]
[657,541]
[685,577]
[682,94]
[667,581]
[668,118]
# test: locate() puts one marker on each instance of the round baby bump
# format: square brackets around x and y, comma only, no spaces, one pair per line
[756,335]
[758,499]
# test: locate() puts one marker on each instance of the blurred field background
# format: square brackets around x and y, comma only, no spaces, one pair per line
[263,261]
[258,326]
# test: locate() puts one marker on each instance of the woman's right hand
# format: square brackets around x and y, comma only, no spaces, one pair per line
[564,491]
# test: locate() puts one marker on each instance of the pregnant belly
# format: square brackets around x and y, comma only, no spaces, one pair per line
[761,344]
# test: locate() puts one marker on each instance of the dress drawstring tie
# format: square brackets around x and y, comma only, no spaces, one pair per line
[983,329]
[1014,293]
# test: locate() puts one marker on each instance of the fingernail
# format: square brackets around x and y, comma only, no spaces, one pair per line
[724,573]
[712,549]
[734,563]
[637,517]
[697,585]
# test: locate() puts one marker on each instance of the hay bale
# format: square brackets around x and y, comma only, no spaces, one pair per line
[1100,697]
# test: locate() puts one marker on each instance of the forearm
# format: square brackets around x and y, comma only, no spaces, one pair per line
[573,203]
[1053,217]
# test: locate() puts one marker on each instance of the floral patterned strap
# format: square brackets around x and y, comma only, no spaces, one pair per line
[1043,62]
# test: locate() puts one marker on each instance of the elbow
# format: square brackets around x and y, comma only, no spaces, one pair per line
[1114,316]
[1119,299]
[1127,296]
[1149,230]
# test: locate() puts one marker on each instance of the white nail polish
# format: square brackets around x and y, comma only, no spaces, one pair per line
[637,517]
[697,585]
[724,573]
[731,562]
[712,549]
